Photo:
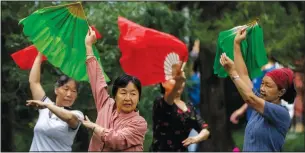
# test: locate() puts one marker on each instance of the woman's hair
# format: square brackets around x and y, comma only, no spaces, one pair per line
[63,79]
[162,89]
[290,94]
[123,80]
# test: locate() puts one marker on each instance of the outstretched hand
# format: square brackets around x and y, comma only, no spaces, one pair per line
[36,103]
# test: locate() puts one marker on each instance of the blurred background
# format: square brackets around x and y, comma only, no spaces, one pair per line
[282,23]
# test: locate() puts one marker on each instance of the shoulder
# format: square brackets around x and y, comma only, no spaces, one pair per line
[139,123]
[277,111]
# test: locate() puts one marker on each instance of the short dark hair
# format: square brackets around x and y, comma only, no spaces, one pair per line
[162,89]
[290,94]
[63,79]
[123,80]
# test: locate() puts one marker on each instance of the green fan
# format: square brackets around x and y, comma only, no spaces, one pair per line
[252,49]
[59,33]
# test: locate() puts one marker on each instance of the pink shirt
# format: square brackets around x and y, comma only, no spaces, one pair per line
[123,132]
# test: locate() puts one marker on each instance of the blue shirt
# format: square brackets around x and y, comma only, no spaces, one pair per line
[194,89]
[267,131]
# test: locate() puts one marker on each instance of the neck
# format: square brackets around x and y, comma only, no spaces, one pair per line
[277,101]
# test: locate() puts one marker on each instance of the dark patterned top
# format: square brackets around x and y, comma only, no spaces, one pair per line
[171,125]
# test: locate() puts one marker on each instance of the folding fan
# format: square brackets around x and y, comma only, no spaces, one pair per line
[59,33]
[252,49]
[149,54]
[25,58]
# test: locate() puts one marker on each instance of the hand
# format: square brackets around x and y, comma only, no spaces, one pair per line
[235,116]
[87,123]
[227,63]
[240,35]
[36,103]
[190,140]
[90,37]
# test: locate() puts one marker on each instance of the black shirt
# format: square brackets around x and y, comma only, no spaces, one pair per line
[171,125]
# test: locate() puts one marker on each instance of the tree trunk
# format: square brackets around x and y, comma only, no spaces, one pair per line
[212,106]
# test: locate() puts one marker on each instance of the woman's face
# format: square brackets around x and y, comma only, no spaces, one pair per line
[127,98]
[66,94]
[269,90]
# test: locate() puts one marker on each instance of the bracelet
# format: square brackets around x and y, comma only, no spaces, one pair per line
[235,77]
[89,54]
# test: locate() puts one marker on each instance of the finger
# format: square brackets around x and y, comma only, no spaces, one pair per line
[87,119]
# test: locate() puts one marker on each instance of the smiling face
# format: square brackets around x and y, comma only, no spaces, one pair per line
[269,90]
[127,98]
[66,94]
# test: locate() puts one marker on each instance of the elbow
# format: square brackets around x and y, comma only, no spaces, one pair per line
[72,120]
[115,142]
[249,98]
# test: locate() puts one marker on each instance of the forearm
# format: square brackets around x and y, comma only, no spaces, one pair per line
[35,71]
[203,135]
[89,52]
[170,98]
[241,67]
[63,114]
[244,107]
[242,87]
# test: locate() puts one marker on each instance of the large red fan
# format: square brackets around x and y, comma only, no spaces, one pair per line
[147,53]
[25,58]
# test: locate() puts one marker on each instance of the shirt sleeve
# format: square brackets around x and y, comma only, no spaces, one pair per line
[197,122]
[80,117]
[277,115]
[131,135]
[97,82]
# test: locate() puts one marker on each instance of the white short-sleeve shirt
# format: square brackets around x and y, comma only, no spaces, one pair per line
[51,133]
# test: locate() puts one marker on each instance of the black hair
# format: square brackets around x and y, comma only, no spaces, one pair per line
[123,80]
[162,89]
[63,79]
[290,94]
[196,65]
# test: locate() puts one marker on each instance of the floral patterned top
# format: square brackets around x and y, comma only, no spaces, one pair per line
[171,125]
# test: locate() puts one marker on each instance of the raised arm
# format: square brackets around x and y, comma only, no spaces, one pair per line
[241,67]
[34,79]
[96,77]
[243,88]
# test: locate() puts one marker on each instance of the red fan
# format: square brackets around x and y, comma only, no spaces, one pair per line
[149,54]
[24,58]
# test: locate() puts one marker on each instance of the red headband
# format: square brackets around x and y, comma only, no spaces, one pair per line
[283,77]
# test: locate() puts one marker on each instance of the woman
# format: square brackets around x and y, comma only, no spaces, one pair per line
[57,124]
[269,122]
[118,127]
[173,119]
